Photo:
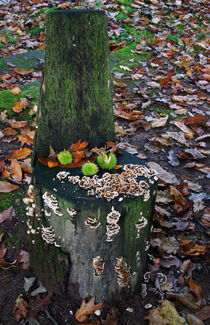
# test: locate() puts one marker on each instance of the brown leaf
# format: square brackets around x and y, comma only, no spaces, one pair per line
[159,122]
[7,214]
[196,289]
[23,72]
[164,82]
[41,302]
[17,124]
[20,105]
[124,115]
[16,91]
[185,299]
[20,309]
[2,251]
[17,170]
[25,139]
[6,187]
[1,236]
[163,175]
[4,115]
[154,317]
[78,156]
[188,247]
[87,309]
[20,154]
[78,146]
[52,164]
[183,127]
[181,204]
[201,167]
[204,313]
[9,131]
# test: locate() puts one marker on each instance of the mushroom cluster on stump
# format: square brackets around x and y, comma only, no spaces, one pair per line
[85,240]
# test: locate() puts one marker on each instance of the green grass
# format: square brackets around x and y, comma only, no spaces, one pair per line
[7,100]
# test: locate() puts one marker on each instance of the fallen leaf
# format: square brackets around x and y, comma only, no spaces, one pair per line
[25,139]
[191,154]
[163,175]
[153,84]
[185,299]
[23,72]
[87,309]
[181,204]
[9,131]
[20,309]
[16,91]
[2,251]
[170,314]
[6,187]
[24,259]
[20,154]
[7,214]
[204,313]
[164,82]
[189,248]
[159,122]
[20,105]
[17,170]
[183,127]
[201,167]
[78,156]
[4,115]
[41,302]
[17,124]
[196,289]
[154,317]
[124,115]
[78,146]
[52,164]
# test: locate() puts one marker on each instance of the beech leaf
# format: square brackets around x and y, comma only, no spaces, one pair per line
[17,170]
[20,154]
[196,289]
[20,309]
[6,187]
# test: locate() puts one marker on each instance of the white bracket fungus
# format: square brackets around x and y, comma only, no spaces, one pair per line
[98,265]
[123,272]
[92,222]
[51,202]
[48,235]
[71,212]
[142,222]
[112,228]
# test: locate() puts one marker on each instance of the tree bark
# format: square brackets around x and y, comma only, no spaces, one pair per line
[75,98]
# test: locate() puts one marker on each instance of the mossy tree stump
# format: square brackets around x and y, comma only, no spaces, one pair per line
[88,235]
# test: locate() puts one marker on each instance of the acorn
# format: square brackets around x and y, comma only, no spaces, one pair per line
[107,161]
[65,157]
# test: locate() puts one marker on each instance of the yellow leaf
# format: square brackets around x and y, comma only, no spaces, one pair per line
[170,314]
[16,91]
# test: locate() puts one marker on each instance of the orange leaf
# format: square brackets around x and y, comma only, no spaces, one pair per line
[77,156]
[24,138]
[9,131]
[20,154]
[87,309]
[20,309]
[5,173]
[17,170]
[23,72]
[20,105]
[164,82]
[16,91]
[118,167]
[196,289]
[6,187]
[17,124]
[52,164]
[78,146]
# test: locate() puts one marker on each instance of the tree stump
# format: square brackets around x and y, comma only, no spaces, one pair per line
[88,234]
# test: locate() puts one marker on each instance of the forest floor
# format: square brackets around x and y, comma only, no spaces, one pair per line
[158,54]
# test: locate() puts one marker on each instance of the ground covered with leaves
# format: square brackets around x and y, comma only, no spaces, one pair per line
[158,54]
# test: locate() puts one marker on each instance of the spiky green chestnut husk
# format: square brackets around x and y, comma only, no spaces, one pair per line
[65,157]
[107,161]
[89,169]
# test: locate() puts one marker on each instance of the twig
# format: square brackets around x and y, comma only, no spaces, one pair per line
[5,276]
[50,317]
